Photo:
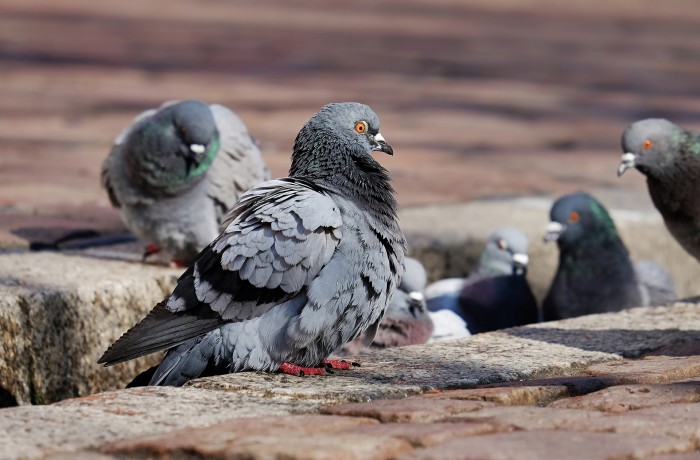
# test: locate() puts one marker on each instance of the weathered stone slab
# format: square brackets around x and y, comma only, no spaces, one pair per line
[58,313]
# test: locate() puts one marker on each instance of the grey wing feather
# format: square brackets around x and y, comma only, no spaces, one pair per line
[278,238]
[238,166]
[655,282]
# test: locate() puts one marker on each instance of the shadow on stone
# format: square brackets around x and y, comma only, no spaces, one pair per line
[7,399]
[628,343]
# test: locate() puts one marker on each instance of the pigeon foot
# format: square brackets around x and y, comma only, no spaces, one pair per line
[293,369]
[340,364]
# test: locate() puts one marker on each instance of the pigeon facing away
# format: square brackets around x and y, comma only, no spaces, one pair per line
[406,321]
[304,264]
[177,170]
[496,295]
[669,157]
[595,273]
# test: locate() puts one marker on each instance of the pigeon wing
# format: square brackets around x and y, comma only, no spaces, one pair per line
[276,240]
[238,165]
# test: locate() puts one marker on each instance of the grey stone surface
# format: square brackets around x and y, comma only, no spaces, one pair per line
[448,239]
[553,349]
[58,313]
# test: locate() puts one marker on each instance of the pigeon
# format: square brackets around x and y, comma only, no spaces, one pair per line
[303,265]
[669,157]
[447,325]
[406,321]
[496,295]
[176,171]
[595,273]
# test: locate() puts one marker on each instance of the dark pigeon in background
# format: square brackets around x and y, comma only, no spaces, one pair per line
[304,264]
[406,321]
[496,294]
[595,273]
[177,170]
[669,157]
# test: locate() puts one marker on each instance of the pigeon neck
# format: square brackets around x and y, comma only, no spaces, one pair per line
[357,176]
[604,255]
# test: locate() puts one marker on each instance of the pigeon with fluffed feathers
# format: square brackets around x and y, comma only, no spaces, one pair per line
[669,157]
[406,321]
[303,265]
[595,272]
[496,295]
[176,171]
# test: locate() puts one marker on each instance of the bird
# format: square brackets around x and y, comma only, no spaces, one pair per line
[406,321]
[595,273]
[176,171]
[303,265]
[669,157]
[496,294]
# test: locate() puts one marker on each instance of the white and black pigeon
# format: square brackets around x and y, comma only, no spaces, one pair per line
[595,272]
[496,295]
[304,264]
[406,321]
[177,170]
[669,157]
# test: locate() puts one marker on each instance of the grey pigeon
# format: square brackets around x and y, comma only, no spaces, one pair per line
[177,170]
[595,273]
[496,294]
[406,321]
[303,265]
[669,157]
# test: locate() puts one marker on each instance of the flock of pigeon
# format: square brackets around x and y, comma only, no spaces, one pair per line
[283,274]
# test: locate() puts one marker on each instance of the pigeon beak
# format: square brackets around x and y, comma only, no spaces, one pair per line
[416,296]
[520,260]
[198,149]
[417,303]
[380,145]
[554,229]
[626,162]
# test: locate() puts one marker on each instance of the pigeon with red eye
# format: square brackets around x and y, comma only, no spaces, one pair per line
[669,157]
[177,170]
[496,294]
[303,265]
[406,321]
[595,272]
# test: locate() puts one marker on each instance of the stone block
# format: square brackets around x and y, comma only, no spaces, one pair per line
[537,445]
[510,396]
[58,313]
[410,410]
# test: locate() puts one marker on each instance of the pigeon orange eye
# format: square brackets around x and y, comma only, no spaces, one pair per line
[647,144]
[574,216]
[361,127]
[502,245]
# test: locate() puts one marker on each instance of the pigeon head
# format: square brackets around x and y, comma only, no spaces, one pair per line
[505,253]
[653,146]
[339,141]
[414,277]
[173,148]
[579,217]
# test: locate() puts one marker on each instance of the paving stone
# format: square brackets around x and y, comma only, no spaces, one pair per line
[649,370]
[530,418]
[686,456]
[425,434]
[675,420]
[92,421]
[410,410]
[540,445]
[631,397]
[525,395]
[292,437]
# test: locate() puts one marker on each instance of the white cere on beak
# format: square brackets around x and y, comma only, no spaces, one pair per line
[379,138]
[626,162]
[554,229]
[521,259]
[197,148]
[416,296]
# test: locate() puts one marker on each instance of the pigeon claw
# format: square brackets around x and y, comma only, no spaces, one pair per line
[299,371]
[340,364]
